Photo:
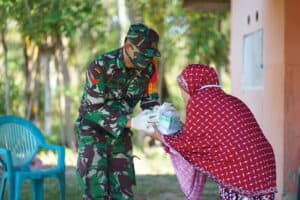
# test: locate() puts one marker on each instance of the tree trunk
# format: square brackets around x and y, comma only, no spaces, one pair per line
[68,128]
[31,71]
[6,79]
[123,20]
[44,56]
[61,108]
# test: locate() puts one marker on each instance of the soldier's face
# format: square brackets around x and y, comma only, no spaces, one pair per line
[138,59]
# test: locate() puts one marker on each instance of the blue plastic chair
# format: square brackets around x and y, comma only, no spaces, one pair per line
[20,141]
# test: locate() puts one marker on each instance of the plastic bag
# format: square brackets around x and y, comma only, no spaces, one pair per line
[168,119]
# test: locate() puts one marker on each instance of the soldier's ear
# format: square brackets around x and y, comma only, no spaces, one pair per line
[128,46]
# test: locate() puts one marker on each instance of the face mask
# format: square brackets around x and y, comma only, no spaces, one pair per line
[139,60]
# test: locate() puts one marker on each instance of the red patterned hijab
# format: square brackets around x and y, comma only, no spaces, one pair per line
[221,137]
[195,76]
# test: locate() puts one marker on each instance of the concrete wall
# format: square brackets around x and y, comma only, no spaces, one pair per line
[292,96]
[267,104]
[277,105]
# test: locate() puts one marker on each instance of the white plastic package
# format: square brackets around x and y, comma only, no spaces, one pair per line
[168,119]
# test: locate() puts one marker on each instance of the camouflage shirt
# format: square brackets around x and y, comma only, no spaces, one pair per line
[112,91]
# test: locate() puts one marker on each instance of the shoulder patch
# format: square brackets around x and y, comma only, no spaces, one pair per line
[94,72]
[95,69]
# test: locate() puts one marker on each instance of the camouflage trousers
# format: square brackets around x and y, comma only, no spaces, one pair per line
[105,164]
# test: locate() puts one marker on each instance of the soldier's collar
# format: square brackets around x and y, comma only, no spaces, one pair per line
[120,59]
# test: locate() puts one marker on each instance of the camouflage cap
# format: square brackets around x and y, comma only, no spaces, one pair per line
[144,38]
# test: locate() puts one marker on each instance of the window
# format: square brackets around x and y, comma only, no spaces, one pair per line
[253,72]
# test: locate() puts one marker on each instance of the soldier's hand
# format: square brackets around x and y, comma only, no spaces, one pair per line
[143,121]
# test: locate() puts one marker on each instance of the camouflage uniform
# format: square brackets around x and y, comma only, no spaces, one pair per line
[105,167]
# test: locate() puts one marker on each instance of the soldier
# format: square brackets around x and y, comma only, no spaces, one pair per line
[115,83]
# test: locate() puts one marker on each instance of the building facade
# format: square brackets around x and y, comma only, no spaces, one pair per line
[265,74]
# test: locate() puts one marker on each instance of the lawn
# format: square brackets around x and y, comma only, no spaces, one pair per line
[154,173]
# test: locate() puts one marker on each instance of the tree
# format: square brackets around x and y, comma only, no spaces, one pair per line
[123,20]
[5,7]
[60,38]
[208,40]
[43,26]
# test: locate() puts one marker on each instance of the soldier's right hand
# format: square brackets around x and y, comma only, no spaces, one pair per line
[143,121]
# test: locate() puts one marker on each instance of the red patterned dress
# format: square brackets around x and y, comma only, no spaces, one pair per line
[221,139]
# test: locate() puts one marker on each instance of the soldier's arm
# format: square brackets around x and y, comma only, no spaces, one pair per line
[98,111]
[151,98]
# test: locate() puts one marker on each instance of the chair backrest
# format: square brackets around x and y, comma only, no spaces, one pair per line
[21,137]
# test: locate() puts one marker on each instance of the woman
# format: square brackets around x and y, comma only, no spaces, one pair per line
[221,139]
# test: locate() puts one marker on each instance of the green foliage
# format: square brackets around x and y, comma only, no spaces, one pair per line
[185,37]
[40,19]
[5,9]
[208,43]
[15,96]
[202,36]
[90,28]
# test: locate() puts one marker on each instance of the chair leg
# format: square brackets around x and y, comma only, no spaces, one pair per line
[11,188]
[2,189]
[62,186]
[18,187]
[37,189]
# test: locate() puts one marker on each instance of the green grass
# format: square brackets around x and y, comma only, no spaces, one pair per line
[149,187]
[154,173]
[166,187]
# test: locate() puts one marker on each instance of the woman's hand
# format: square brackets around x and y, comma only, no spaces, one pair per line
[156,134]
